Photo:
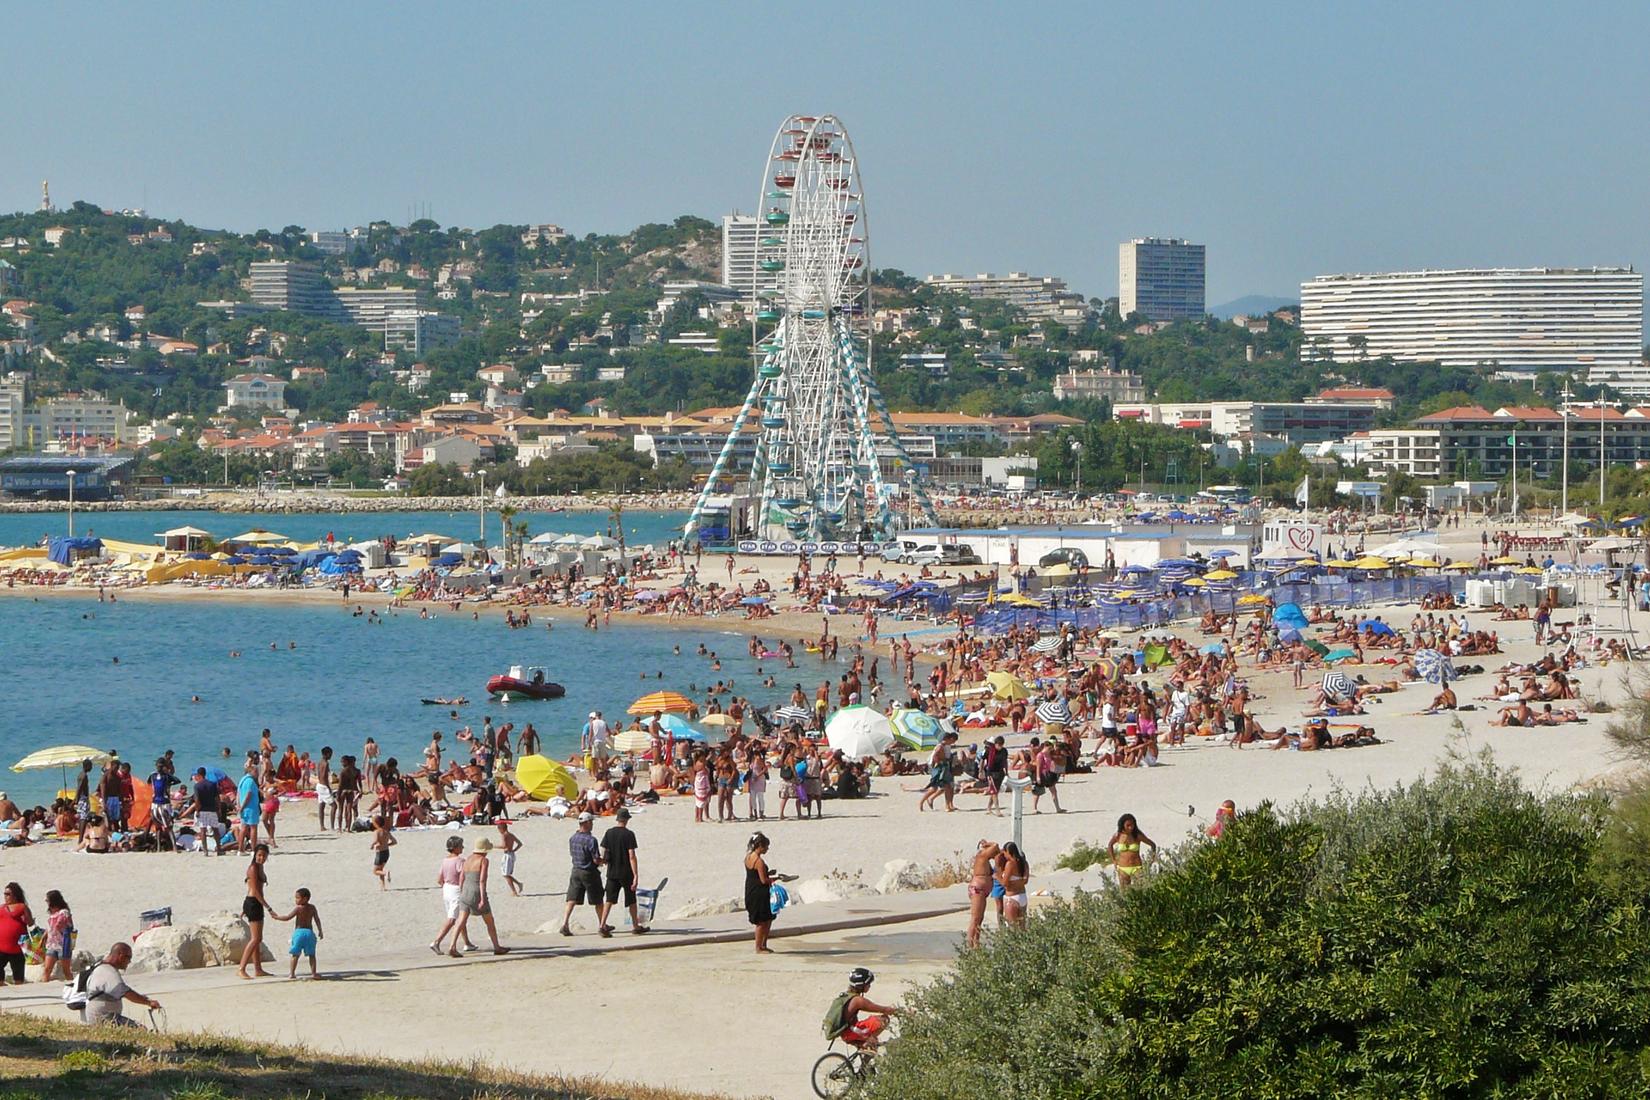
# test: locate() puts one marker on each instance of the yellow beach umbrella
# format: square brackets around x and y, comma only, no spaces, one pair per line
[1251,598]
[1505,559]
[1529,571]
[670,702]
[1005,685]
[1017,599]
[1337,563]
[1460,565]
[61,756]
[1220,575]
[1309,560]
[1371,563]
[1194,582]
[717,720]
[543,778]
[259,537]
[1059,569]
[1422,563]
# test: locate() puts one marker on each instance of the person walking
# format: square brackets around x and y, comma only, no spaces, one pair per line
[249,803]
[584,885]
[1047,770]
[759,880]
[450,876]
[60,935]
[15,922]
[619,853]
[253,908]
[473,899]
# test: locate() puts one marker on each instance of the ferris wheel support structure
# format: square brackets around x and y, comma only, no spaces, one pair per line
[822,426]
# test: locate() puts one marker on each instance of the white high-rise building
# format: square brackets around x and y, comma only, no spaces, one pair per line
[739,270]
[1513,319]
[1160,278]
[289,284]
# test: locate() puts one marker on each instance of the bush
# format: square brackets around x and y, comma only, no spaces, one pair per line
[1082,856]
[1451,938]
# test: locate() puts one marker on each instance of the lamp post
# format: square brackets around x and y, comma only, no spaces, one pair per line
[71,474]
[481,506]
[1077,463]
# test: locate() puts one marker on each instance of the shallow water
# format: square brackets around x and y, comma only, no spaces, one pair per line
[346,679]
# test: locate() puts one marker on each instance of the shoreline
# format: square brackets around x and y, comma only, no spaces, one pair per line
[321,504]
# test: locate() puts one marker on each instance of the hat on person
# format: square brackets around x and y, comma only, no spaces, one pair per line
[623,814]
[483,845]
[586,816]
[592,714]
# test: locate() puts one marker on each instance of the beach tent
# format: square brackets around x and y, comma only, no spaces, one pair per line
[184,538]
[447,561]
[1289,615]
[65,549]
[258,537]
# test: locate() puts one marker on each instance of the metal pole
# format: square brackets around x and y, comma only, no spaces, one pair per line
[71,503]
[1601,458]
[1513,439]
[481,505]
[1564,492]
[1018,786]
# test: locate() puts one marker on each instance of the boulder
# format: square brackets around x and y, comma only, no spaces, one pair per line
[217,940]
[900,875]
[813,890]
[706,907]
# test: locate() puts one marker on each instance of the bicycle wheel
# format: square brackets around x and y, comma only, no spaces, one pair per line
[833,1075]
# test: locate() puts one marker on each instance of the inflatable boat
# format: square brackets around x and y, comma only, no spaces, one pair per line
[524,683]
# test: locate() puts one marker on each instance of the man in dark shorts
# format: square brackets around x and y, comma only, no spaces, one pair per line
[619,853]
[584,886]
[206,808]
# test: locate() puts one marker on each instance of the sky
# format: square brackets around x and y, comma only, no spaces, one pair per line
[1291,139]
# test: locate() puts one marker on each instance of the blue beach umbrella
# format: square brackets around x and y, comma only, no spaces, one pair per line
[914,728]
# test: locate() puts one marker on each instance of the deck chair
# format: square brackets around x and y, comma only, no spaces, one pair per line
[647,901]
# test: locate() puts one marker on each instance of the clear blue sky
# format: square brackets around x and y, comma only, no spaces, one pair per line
[1291,139]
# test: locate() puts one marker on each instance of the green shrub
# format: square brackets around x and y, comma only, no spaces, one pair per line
[1450,938]
[1082,856]
[85,1061]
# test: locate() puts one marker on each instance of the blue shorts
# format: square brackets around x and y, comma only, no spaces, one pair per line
[111,808]
[303,942]
[996,889]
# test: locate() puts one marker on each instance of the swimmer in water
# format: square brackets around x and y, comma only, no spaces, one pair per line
[196,699]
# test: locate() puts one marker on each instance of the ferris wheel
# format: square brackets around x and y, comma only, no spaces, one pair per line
[820,419]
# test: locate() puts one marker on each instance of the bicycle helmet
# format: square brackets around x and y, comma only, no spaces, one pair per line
[860,976]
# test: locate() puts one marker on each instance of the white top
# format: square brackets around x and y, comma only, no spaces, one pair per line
[107,990]
[1108,717]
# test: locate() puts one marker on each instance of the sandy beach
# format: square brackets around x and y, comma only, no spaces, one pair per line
[370,932]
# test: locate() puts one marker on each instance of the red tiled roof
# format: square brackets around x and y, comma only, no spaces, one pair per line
[1524,412]
[1459,412]
[1355,392]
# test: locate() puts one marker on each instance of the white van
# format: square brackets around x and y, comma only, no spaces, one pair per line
[914,552]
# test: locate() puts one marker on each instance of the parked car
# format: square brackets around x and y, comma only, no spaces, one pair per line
[959,554]
[1065,555]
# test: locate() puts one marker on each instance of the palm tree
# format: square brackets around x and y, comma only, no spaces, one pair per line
[507,513]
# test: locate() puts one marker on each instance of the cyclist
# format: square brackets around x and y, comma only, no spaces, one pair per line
[843,1022]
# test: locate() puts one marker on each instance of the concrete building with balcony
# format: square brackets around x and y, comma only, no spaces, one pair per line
[255,391]
[1522,320]
[419,331]
[1161,279]
[1097,385]
[1039,297]
[291,285]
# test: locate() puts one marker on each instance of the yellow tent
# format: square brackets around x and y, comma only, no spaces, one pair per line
[543,778]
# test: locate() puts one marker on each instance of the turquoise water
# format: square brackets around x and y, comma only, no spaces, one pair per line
[346,680]
[20,529]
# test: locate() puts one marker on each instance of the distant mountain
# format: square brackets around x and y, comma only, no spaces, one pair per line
[1250,304]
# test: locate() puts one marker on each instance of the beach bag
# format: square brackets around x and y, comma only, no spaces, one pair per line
[33,944]
[75,994]
[833,1025]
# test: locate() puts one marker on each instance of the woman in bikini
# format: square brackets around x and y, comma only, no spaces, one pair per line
[253,908]
[1125,850]
[979,887]
[1013,871]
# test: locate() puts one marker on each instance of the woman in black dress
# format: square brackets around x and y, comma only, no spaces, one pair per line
[759,881]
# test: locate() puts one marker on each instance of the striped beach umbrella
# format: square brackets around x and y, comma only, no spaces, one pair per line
[915,729]
[667,701]
[1047,644]
[1053,711]
[1337,685]
[789,713]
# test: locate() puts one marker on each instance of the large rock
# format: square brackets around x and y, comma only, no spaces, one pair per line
[216,941]
[706,907]
[813,890]
[900,875]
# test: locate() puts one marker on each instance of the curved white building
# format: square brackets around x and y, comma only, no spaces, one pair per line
[1525,319]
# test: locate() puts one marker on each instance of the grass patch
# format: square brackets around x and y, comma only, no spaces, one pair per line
[44,1059]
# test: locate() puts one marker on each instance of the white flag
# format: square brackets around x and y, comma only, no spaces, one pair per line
[1300,491]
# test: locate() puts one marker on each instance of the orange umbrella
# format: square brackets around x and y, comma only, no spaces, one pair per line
[667,701]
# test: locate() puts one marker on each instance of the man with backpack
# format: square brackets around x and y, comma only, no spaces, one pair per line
[101,992]
[842,1020]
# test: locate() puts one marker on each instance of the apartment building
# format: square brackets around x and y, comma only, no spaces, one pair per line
[1517,319]
[1039,297]
[1160,278]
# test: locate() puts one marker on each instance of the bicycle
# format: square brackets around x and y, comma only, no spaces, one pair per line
[835,1072]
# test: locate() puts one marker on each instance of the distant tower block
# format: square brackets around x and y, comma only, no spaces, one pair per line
[45,197]
[817,419]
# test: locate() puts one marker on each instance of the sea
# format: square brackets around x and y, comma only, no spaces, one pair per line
[125,675]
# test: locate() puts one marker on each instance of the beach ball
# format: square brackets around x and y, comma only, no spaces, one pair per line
[778,898]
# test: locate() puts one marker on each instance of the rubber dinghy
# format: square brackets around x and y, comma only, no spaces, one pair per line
[524,683]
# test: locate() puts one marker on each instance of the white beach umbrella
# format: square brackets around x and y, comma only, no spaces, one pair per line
[859,731]
[465,548]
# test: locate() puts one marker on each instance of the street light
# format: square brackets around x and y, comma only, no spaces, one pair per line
[1077,463]
[71,474]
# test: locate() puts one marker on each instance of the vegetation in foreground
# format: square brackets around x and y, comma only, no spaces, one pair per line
[1460,937]
[48,1060]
